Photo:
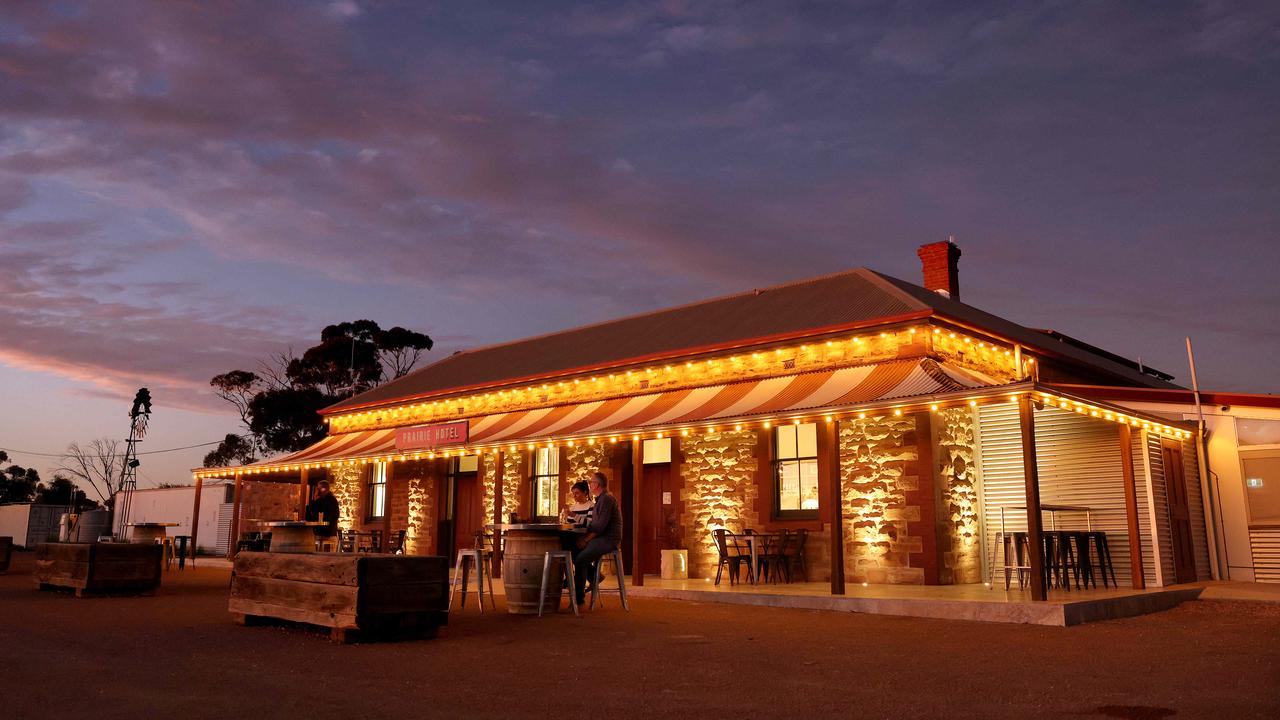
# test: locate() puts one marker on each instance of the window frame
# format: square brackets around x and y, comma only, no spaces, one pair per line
[777,463]
[375,490]
[552,476]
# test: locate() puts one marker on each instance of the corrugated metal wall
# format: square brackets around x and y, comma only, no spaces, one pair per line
[1266,555]
[1141,475]
[225,511]
[1079,464]
[1195,498]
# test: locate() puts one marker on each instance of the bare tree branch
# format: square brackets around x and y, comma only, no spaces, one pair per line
[97,465]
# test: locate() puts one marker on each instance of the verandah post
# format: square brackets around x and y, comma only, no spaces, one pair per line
[1031,478]
[1138,578]
[831,458]
[637,510]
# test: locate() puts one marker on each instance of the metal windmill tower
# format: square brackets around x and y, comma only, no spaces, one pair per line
[139,416]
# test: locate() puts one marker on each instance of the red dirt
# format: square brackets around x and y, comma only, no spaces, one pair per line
[179,653]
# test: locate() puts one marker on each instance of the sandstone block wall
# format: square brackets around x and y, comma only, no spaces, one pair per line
[959,529]
[719,492]
[415,482]
[264,500]
[514,480]
[880,479]
[345,483]
[581,462]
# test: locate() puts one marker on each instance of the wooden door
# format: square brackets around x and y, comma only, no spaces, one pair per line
[652,518]
[466,510]
[1184,563]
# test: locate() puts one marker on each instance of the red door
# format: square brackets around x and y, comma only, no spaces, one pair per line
[466,510]
[1184,563]
[653,526]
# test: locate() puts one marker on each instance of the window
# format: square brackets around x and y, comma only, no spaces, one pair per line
[656,451]
[546,477]
[795,471]
[378,491]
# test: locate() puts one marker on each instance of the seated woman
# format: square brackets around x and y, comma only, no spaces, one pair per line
[578,515]
[580,511]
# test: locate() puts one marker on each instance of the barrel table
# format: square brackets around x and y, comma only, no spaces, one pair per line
[293,536]
[522,556]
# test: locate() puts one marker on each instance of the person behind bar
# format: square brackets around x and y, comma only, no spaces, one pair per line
[580,511]
[323,507]
[604,534]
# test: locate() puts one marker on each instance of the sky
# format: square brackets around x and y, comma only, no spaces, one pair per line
[188,188]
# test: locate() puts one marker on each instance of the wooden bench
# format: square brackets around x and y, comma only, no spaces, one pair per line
[99,568]
[6,553]
[356,596]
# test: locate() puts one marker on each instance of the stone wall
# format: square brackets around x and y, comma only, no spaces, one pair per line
[344,483]
[959,532]
[263,500]
[581,462]
[719,492]
[414,481]
[514,481]
[878,458]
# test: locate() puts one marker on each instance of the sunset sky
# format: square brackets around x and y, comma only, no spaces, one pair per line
[188,187]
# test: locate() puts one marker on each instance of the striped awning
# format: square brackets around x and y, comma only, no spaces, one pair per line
[844,387]
[789,393]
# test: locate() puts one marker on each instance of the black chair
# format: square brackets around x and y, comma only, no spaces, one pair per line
[395,544]
[733,554]
[771,552]
[793,555]
[346,541]
[1096,541]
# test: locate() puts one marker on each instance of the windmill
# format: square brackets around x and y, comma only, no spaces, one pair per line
[139,416]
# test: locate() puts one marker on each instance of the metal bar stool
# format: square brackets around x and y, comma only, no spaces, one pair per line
[616,558]
[564,563]
[476,557]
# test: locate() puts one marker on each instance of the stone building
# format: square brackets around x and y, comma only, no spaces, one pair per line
[888,420]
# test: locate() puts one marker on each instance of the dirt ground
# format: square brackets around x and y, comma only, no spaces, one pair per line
[179,654]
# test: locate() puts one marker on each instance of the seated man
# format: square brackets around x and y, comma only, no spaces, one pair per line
[324,508]
[604,534]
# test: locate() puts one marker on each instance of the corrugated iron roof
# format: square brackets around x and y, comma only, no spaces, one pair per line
[843,299]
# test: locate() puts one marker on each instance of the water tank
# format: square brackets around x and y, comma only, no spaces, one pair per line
[92,524]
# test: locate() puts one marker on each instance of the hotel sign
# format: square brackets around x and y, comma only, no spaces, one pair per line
[430,437]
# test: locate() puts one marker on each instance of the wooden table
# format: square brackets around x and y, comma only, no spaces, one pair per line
[293,536]
[522,560]
[148,533]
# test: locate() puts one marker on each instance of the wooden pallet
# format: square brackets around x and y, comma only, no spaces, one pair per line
[358,597]
[99,568]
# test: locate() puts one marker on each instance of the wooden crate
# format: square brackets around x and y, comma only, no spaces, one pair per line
[91,568]
[356,596]
[6,553]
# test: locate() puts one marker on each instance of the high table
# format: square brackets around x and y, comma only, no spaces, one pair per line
[522,559]
[293,536]
[148,533]
[1053,509]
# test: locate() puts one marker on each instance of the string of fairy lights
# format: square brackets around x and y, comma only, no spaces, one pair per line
[1006,359]
[1041,397]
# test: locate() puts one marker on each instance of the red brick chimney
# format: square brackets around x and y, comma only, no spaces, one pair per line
[940,272]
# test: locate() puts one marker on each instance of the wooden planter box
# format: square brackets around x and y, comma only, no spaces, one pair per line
[90,568]
[6,553]
[356,596]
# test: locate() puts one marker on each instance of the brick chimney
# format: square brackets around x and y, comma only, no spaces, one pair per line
[940,272]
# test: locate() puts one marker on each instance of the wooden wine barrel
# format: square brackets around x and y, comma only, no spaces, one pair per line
[292,539]
[522,570]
